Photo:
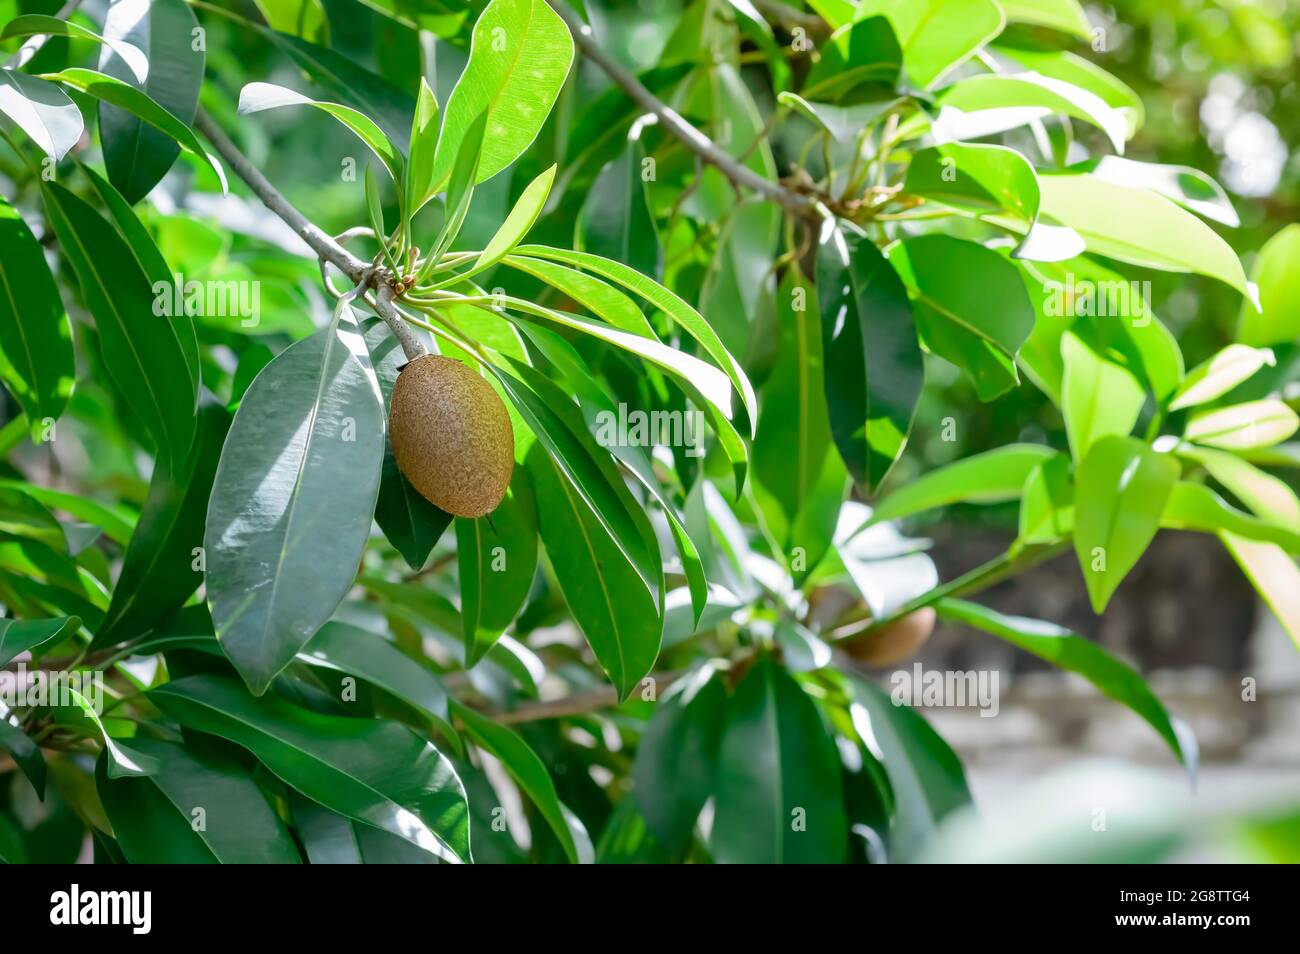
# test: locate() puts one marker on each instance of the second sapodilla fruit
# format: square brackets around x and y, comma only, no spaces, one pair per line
[451,435]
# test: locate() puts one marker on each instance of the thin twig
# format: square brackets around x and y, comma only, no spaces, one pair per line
[326,248]
[693,139]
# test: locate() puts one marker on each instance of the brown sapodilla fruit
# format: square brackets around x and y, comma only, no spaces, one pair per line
[451,435]
[895,642]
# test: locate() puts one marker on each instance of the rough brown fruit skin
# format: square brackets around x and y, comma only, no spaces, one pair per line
[893,643]
[451,436]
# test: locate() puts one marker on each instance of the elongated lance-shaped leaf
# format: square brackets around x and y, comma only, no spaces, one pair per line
[147,362]
[460,191]
[35,24]
[293,499]
[42,110]
[36,360]
[374,771]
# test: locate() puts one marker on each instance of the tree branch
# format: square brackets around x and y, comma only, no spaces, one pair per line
[692,138]
[326,248]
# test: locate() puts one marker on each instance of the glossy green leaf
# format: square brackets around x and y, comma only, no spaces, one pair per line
[938,35]
[1220,374]
[616,221]
[1064,15]
[1098,397]
[1064,649]
[1139,226]
[333,839]
[497,560]
[148,364]
[109,89]
[304,18]
[424,142]
[1071,68]
[35,24]
[256,97]
[410,522]
[42,110]
[1263,493]
[1047,502]
[866,51]
[1189,187]
[600,298]
[677,758]
[1275,576]
[160,569]
[36,359]
[970,306]
[519,59]
[362,654]
[1277,274]
[1121,487]
[1243,426]
[194,808]
[668,302]
[990,477]
[873,366]
[116,522]
[530,774]
[990,103]
[517,223]
[460,189]
[1197,507]
[376,772]
[925,775]
[604,591]
[978,177]
[25,753]
[293,499]
[777,797]
[136,154]
[844,123]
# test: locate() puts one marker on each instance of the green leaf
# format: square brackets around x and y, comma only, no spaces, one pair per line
[991,103]
[938,35]
[1047,502]
[605,592]
[1275,576]
[1263,493]
[990,477]
[925,775]
[1099,398]
[874,370]
[36,359]
[976,177]
[25,753]
[305,18]
[1064,649]
[360,653]
[43,111]
[136,154]
[460,190]
[1189,187]
[497,560]
[122,759]
[158,571]
[518,61]
[333,839]
[194,808]
[376,772]
[666,301]
[1064,15]
[1074,69]
[777,798]
[844,123]
[410,522]
[34,24]
[517,223]
[256,97]
[1277,274]
[424,142]
[109,89]
[1121,487]
[858,53]
[20,636]
[1245,426]
[615,221]
[149,367]
[1138,226]
[677,757]
[795,462]
[530,774]
[1197,507]
[970,306]
[293,499]
[116,526]
[1220,374]
[601,299]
